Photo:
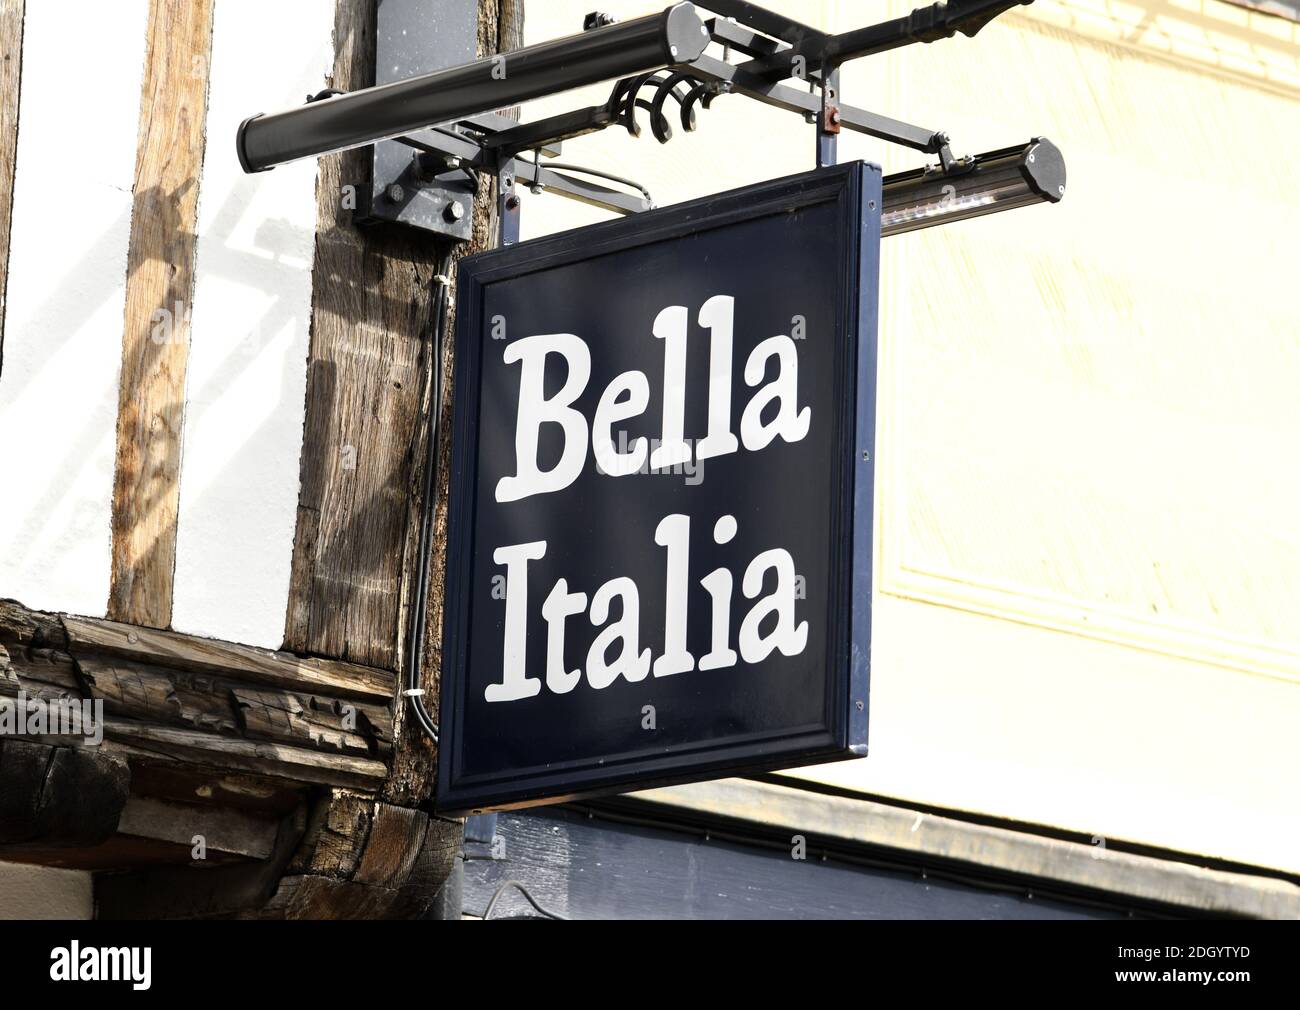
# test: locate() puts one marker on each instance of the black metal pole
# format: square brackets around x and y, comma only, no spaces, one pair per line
[828,120]
[676,35]
[924,24]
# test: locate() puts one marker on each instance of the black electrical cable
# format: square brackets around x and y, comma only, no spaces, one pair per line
[415,645]
[506,885]
[415,648]
[582,170]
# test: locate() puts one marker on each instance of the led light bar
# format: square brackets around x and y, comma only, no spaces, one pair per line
[988,184]
[674,36]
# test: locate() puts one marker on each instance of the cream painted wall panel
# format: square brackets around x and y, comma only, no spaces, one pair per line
[249,338]
[1087,548]
[38,892]
[66,295]
[1088,425]
[1144,355]
[1030,724]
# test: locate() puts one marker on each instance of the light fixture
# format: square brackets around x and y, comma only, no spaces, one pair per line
[984,184]
[674,36]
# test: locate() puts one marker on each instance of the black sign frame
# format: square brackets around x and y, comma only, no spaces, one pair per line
[854,192]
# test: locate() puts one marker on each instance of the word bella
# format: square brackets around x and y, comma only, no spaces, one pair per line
[628,396]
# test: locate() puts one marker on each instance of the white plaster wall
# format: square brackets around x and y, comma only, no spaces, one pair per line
[78,118]
[38,892]
[249,334]
[1087,608]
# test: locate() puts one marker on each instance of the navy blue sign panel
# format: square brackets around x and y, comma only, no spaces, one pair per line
[659,553]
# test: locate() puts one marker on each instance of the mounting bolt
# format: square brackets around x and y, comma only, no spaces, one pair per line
[395,193]
[512,202]
[453,211]
[425,166]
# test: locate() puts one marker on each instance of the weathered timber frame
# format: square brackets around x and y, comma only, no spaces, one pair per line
[294,769]
[273,760]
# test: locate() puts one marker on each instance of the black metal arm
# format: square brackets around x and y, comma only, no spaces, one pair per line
[815,49]
[445,115]
[677,35]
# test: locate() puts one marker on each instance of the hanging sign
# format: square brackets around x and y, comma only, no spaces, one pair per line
[659,545]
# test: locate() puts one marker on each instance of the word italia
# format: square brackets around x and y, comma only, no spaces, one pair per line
[630,661]
[628,396]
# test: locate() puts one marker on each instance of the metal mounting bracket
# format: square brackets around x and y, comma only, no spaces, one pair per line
[422,188]
[436,142]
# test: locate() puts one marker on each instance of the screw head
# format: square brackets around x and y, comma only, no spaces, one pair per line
[395,193]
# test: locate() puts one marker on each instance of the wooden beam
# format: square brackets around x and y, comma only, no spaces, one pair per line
[241,662]
[259,757]
[224,831]
[159,292]
[184,892]
[371,320]
[11,61]
[169,697]
[361,859]
[500,29]
[59,796]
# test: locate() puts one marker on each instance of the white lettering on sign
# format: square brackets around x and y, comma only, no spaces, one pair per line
[630,661]
[772,370]
[628,396]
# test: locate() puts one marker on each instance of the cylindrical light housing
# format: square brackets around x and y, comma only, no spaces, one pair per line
[997,181]
[676,35]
